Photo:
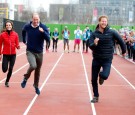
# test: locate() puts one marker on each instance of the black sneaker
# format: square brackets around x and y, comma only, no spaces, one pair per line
[101,80]
[94,100]
[6,84]
[36,90]
[23,84]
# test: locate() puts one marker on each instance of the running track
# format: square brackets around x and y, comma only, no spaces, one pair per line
[65,86]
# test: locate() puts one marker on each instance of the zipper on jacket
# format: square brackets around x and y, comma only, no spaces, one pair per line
[10,44]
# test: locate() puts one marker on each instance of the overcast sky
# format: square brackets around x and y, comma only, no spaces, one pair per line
[45,3]
[37,3]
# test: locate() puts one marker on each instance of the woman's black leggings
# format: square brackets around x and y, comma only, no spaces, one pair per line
[8,64]
[55,43]
[47,44]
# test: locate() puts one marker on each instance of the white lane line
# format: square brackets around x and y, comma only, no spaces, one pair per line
[23,46]
[25,51]
[126,58]
[18,55]
[89,90]
[22,66]
[15,71]
[123,77]
[72,84]
[21,53]
[44,83]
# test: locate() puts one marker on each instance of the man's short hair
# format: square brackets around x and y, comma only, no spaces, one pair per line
[103,16]
[35,13]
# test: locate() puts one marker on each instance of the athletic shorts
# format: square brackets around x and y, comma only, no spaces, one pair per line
[77,41]
[66,41]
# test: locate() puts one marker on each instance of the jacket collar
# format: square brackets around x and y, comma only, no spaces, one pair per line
[33,25]
[106,28]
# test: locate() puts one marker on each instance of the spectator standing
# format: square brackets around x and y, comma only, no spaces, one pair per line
[48,41]
[66,34]
[78,35]
[88,34]
[55,37]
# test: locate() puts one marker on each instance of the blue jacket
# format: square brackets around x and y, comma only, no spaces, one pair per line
[88,33]
[34,38]
[105,47]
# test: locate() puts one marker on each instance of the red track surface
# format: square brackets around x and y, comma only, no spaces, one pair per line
[65,86]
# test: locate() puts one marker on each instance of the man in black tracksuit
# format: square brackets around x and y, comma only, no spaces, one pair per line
[101,43]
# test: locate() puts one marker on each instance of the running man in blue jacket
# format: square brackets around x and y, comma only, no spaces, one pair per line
[34,34]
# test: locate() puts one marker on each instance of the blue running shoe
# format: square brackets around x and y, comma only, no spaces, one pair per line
[23,84]
[36,89]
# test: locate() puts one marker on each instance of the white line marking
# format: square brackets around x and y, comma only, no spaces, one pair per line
[16,71]
[71,84]
[23,46]
[123,77]
[18,55]
[35,97]
[89,90]
[22,66]
[25,51]
[130,60]
[21,53]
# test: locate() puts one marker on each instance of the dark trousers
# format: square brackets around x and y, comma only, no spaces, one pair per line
[96,65]
[133,50]
[84,44]
[8,64]
[35,62]
[47,44]
[129,49]
[87,44]
[55,43]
